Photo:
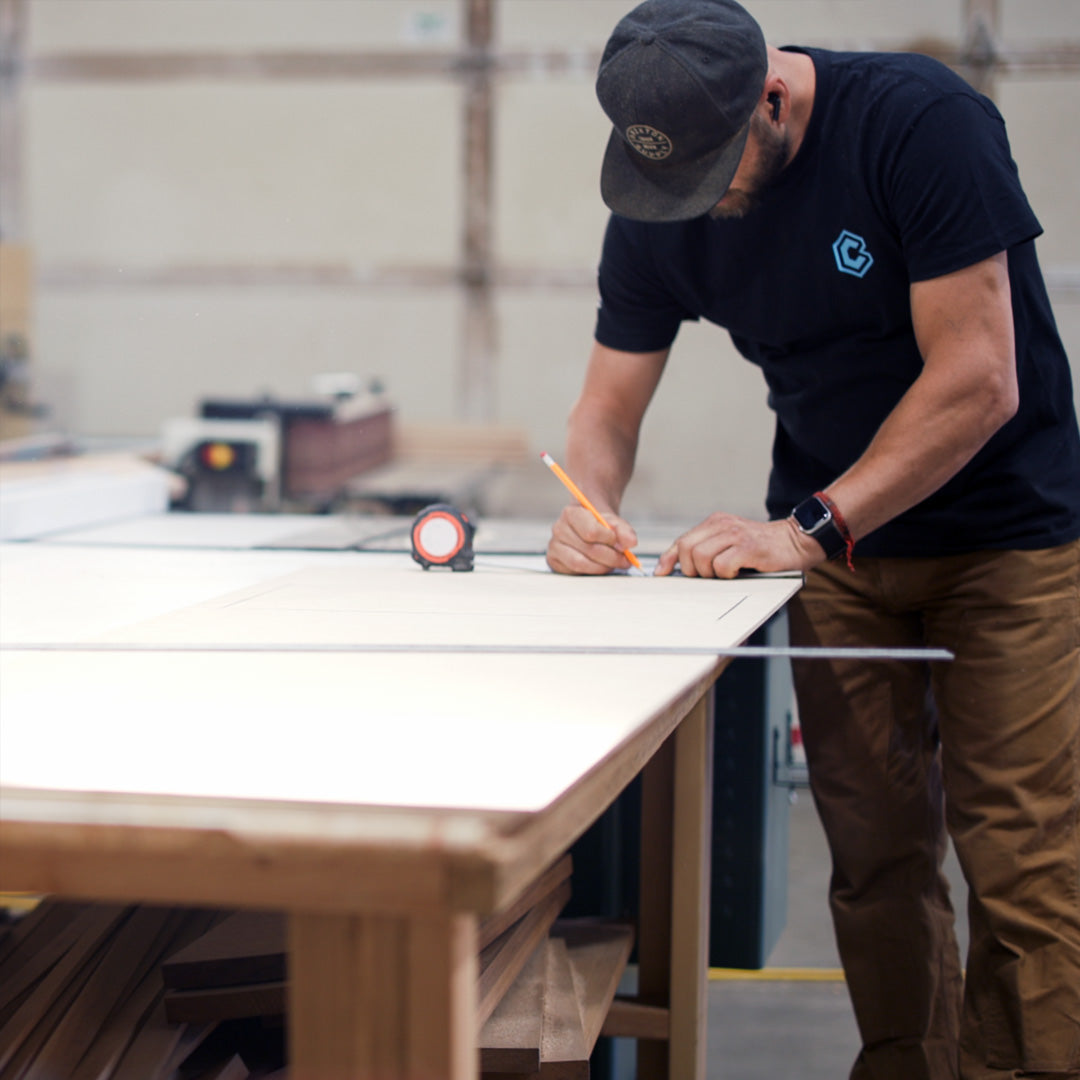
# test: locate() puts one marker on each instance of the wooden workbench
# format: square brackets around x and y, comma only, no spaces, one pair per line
[287,730]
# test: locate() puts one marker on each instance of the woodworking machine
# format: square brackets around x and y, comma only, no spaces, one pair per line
[266,454]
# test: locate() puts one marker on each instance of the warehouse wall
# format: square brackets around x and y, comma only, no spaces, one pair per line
[231,196]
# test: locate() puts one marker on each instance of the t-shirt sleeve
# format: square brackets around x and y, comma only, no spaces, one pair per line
[637,311]
[953,188]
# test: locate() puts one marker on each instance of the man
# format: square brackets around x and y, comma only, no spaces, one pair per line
[856,223]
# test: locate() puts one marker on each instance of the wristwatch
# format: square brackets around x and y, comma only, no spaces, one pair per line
[815,519]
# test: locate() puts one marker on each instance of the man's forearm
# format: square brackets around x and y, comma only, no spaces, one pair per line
[925,441]
[600,456]
[966,392]
[601,444]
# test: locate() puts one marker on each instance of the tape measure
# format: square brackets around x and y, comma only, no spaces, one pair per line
[442,536]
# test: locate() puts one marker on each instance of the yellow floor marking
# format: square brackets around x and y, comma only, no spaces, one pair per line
[777,974]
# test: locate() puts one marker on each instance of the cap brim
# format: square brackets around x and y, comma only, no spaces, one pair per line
[644,190]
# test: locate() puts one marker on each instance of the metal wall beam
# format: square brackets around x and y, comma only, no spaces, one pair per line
[12,46]
[980,61]
[346,65]
[476,375]
[1051,58]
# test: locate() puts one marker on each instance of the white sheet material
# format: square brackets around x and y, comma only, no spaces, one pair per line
[507,733]
[37,503]
[190,530]
[233,740]
[60,593]
[391,600]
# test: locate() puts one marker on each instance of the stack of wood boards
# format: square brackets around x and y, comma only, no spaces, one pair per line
[548,1023]
[81,996]
[110,992]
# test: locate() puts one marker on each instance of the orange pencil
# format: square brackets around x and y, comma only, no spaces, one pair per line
[578,494]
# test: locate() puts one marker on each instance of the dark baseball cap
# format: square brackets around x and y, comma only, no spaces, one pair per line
[679,80]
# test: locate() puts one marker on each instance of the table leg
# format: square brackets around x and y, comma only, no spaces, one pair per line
[375,997]
[673,935]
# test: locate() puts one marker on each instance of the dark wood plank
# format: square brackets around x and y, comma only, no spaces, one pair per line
[564,1054]
[21,1062]
[510,1039]
[159,1048]
[502,961]
[218,1003]
[500,921]
[28,1026]
[141,997]
[629,1018]
[233,1069]
[121,1030]
[598,953]
[247,947]
[41,923]
[122,959]
[579,967]
[37,944]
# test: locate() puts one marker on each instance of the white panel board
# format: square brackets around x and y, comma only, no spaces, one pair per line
[76,493]
[187,26]
[551,23]
[184,530]
[63,593]
[859,24]
[506,733]
[389,601]
[549,142]
[1048,159]
[1050,22]
[356,173]
[1067,314]
[122,362]
[215,728]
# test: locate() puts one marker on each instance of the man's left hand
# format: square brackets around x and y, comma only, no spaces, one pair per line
[723,544]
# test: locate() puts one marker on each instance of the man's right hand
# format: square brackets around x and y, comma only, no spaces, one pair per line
[581,545]
[601,441]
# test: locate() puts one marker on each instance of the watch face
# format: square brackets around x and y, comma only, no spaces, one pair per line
[811,514]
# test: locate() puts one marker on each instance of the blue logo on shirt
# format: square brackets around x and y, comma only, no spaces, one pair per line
[851,254]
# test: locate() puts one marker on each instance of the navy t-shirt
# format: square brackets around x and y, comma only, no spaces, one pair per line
[904,174]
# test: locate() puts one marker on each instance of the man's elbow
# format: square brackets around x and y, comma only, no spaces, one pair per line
[1000,399]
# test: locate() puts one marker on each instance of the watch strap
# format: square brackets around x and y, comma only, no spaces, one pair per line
[831,532]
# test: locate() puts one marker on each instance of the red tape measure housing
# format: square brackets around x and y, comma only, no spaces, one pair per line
[442,536]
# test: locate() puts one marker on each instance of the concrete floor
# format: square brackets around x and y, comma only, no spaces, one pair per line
[793,1027]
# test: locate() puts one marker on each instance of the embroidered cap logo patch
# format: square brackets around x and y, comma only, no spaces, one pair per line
[851,254]
[649,142]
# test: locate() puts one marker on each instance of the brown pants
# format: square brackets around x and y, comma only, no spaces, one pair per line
[987,745]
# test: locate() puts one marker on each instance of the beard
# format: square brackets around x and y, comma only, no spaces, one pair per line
[774,151]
